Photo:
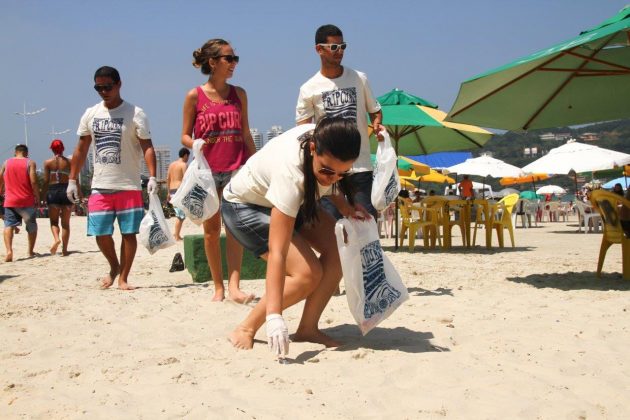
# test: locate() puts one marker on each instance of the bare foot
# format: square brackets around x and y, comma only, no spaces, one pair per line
[53,248]
[65,253]
[16,230]
[242,338]
[108,280]
[125,286]
[218,297]
[315,337]
[240,297]
[179,238]
[9,257]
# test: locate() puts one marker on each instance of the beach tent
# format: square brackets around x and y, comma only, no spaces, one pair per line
[623,180]
[585,79]
[442,159]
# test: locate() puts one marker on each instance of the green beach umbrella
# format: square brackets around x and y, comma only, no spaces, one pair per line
[529,195]
[416,129]
[585,79]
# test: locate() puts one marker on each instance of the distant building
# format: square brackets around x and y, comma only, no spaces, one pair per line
[162,160]
[274,131]
[563,136]
[555,136]
[257,136]
[534,151]
[589,137]
[547,136]
[527,152]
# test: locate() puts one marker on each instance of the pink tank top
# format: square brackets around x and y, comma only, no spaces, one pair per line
[17,184]
[220,124]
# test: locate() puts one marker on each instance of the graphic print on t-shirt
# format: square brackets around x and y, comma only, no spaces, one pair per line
[107,135]
[341,103]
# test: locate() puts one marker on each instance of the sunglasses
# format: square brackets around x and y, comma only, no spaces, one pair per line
[335,47]
[329,172]
[103,88]
[229,58]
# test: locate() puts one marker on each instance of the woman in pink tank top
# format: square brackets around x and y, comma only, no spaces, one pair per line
[216,113]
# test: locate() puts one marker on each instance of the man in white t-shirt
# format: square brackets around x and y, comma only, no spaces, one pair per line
[121,138]
[336,90]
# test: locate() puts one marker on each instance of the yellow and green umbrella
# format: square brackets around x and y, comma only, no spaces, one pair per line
[407,167]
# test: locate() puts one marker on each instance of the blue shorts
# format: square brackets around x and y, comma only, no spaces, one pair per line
[105,207]
[249,224]
[13,217]
[179,213]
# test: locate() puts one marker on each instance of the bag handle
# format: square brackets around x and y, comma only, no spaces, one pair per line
[339,228]
[200,159]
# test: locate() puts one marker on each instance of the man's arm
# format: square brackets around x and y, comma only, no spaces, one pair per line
[2,178]
[79,155]
[32,173]
[149,155]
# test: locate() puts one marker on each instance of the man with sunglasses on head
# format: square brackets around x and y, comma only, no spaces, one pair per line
[121,138]
[339,91]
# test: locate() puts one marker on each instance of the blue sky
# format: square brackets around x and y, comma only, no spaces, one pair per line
[50,50]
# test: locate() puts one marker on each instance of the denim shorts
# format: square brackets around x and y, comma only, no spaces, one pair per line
[249,224]
[221,179]
[13,217]
[362,184]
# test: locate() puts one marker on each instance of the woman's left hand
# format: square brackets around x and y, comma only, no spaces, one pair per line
[360,213]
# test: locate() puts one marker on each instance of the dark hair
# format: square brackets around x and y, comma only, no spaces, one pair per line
[341,139]
[403,194]
[211,49]
[184,152]
[107,71]
[324,31]
[22,148]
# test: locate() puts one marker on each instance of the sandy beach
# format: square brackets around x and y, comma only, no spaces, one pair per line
[528,333]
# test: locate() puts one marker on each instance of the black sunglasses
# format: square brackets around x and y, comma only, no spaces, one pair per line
[329,172]
[104,88]
[335,47]
[229,58]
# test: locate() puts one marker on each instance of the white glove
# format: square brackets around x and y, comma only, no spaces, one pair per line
[72,192]
[277,335]
[152,186]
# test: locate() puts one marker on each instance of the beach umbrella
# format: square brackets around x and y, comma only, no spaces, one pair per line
[584,79]
[400,97]
[507,191]
[486,166]
[623,180]
[436,177]
[574,157]
[510,180]
[529,195]
[551,189]
[416,129]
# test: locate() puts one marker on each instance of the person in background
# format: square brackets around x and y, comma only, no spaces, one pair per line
[466,189]
[339,91]
[121,138]
[18,177]
[56,171]
[624,215]
[215,113]
[272,207]
[618,189]
[176,171]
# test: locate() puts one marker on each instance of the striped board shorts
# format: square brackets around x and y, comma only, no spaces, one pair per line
[104,206]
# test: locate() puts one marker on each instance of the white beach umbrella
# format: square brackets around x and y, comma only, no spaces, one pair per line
[507,191]
[577,157]
[486,166]
[551,189]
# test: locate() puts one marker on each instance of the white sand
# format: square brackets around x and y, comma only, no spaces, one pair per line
[524,333]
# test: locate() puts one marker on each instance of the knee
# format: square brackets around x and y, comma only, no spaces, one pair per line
[309,279]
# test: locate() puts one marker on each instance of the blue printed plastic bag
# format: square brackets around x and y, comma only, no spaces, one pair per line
[373,286]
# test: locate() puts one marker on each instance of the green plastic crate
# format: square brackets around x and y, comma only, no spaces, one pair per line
[252,268]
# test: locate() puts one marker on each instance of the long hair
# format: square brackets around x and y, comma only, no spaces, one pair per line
[341,139]
[211,49]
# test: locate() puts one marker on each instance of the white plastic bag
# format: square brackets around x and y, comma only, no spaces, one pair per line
[373,286]
[385,183]
[197,195]
[154,233]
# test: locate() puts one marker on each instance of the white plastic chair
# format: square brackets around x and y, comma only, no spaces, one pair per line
[587,218]
[527,210]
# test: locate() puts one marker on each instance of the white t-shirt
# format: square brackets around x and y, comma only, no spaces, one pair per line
[347,96]
[274,176]
[115,144]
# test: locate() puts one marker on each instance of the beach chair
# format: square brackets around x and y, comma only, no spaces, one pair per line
[481,210]
[608,205]
[501,214]
[410,225]
[527,210]
[587,216]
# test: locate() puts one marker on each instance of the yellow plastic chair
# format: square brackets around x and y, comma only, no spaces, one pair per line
[482,218]
[609,206]
[410,225]
[435,214]
[501,215]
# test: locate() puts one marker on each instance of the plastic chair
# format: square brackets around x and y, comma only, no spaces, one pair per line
[608,205]
[411,225]
[527,209]
[481,210]
[501,215]
[587,216]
